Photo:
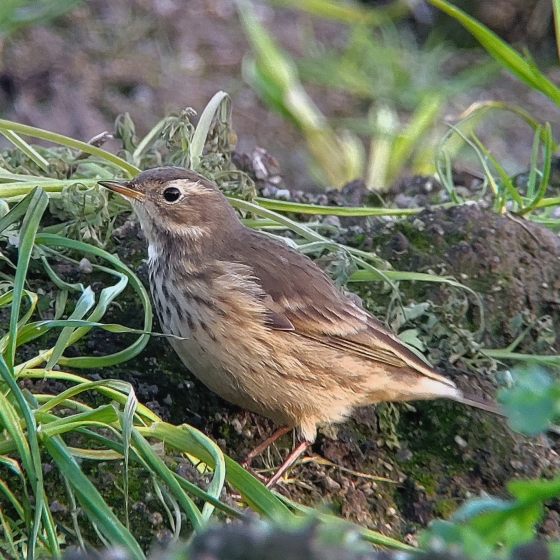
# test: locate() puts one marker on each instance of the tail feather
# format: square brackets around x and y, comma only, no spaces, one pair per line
[494,408]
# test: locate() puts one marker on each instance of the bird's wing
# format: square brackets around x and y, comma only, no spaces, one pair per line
[299,297]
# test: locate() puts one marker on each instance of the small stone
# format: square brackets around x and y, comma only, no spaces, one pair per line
[236,425]
[404,454]
[330,484]
[460,441]
[85,266]
[282,194]
[57,507]
[270,191]
[124,230]
[156,518]
[333,221]
[403,201]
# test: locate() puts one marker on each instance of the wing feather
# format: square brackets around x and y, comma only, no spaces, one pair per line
[299,297]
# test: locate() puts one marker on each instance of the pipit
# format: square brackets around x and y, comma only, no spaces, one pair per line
[258,322]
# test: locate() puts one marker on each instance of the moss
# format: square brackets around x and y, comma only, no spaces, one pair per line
[445,508]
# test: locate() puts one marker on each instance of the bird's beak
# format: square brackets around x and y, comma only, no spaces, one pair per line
[123,188]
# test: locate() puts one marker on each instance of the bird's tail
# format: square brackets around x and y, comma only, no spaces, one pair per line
[494,408]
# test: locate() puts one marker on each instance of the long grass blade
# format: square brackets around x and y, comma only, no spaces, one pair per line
[83,305]
[257,496]
[118,268]
[508,57]
[90,499]
[27,149]
[157,466]
[203,127]
[38,201]
[120,163]
[31,456]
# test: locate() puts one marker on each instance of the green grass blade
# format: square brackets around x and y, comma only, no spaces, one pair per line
[5,125]
[127,423]
[145,143]
[71,392]
[507,56]
[31,457]
[196,147]
[11,423]
[257,496]
[507,184]
[38,201]
[218,464]
[101,416]
[27,149]
[22,323]
[545,175]
[83,305]
[556,9]
[111,388]
[12,498]
[90,499]
[134,349]
[118,453]
[315,209]
[349,12]
[157,466]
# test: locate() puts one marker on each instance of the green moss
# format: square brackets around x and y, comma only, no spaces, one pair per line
[444,508]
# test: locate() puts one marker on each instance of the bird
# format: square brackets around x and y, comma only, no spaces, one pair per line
[258,322]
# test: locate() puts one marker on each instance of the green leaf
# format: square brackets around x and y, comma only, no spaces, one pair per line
[118,162]
[203,128]
[83,305]
[533,402]
[507,56]
[37,203]
[257,496]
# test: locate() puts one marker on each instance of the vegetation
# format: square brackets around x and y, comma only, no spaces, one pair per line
[53,214]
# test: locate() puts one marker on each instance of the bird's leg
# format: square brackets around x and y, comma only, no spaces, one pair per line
[263,445]
[288,462]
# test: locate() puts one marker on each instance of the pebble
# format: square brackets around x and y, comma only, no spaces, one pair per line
[332,221]
[86,266]
[282,194]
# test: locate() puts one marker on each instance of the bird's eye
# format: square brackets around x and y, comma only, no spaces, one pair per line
[171,194]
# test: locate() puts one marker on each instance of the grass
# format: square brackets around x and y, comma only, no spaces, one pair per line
[21,13]
[380,66]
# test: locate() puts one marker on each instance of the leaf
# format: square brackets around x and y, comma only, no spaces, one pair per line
[533,402]
[507,56]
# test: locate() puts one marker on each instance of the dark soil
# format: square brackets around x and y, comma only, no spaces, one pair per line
[514,264]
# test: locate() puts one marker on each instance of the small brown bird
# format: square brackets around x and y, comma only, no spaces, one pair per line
[259,323]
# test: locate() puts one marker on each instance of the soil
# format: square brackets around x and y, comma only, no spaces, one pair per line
[75,75]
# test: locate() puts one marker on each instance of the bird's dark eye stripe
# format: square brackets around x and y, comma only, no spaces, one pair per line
[171,194]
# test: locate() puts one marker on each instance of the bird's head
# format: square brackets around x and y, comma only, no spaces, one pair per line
[175,203]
